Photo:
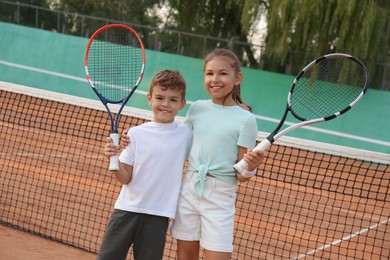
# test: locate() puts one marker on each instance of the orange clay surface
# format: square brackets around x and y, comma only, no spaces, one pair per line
[19,245]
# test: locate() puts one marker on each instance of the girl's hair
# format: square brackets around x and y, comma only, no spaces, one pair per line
[169,79]
[235,63]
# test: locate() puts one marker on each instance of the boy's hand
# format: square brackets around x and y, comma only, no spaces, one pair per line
[110,149]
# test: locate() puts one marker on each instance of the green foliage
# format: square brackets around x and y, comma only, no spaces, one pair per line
[230,20]
[23,14]
[121,11]
[301,30]
[297,30]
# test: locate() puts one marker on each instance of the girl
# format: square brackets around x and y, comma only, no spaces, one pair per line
[223,134]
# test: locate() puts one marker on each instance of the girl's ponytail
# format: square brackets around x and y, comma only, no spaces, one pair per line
[236,95]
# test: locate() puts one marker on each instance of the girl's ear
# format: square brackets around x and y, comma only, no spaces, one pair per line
[239,78]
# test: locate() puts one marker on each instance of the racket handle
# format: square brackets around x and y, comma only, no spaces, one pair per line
[262,146]
[114,161]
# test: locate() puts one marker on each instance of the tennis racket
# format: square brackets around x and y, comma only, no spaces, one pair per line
[114,64]
[323,90]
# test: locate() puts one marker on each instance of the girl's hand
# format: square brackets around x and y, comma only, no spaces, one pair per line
[254,159]
[125,139]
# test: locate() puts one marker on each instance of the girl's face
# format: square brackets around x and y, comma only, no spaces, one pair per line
[219,79]
[165,104]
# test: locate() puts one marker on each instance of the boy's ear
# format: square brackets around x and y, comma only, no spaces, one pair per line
[149,97]
[183,103]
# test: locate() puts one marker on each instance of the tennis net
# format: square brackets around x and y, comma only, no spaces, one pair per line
[309,201]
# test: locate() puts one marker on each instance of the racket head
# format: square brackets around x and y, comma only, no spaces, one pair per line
[327,87]
[114,62]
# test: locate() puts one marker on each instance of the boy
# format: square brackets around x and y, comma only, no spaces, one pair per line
[150,171]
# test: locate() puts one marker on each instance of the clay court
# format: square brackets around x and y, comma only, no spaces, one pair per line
[56,194]
[19,245]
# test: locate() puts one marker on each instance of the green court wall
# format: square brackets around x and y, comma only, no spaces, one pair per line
[55,62]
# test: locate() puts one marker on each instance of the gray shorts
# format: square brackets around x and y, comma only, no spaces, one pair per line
[145,232]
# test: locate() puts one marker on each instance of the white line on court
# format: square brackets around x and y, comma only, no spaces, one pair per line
[269,119]
[338,241]
[329,132]
[335,242]
[53,73]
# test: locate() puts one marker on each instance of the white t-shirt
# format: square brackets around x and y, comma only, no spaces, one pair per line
[157,153]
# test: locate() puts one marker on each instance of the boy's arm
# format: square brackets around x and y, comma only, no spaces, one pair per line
[124,174]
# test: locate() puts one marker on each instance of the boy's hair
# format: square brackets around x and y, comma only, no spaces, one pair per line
[169,79]
[235,63]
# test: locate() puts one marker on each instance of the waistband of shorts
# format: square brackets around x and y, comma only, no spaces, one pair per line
[196,172]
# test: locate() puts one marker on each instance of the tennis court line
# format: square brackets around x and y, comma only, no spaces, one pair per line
[329,132]
[338,241]
[53,73]
[265,118]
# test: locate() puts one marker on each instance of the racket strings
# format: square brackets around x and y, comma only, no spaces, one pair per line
[327,88]
[115,62]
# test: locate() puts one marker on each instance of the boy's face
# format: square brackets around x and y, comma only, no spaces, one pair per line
[165,104]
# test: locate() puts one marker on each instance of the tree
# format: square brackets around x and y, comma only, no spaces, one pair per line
[133,11]
[301,30]
[230,20]
[20,12]
[123,11]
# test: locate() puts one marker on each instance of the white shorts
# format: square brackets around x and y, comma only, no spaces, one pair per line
[209,218]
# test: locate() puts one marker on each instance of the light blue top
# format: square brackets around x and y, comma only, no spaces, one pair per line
[217,132]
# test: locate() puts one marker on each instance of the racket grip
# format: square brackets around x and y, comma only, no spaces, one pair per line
[262,146]
[114,161]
